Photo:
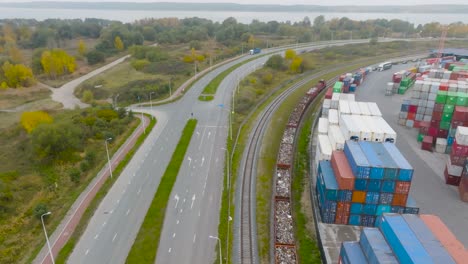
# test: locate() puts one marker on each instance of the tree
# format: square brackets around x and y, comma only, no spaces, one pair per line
[118,44]
[149,33]
[140,64]
[30,120]
[39,210]
[267,78]
[289,54]
[57,62]
[15,54]
[17,75]
[88,96]
[296,65]
[95,57]
[81,47]
[275,62]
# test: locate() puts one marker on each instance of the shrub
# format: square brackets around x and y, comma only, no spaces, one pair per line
[39,210]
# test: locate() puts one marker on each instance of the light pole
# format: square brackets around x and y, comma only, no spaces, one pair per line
[108,158]
[47,238]
[220,253]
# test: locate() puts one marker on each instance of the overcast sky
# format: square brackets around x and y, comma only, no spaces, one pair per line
[283,2]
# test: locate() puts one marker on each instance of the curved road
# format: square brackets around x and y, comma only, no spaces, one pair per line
[193,211]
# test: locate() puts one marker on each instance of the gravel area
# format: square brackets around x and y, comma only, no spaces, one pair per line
[296,114]
[288,135]
[285,255]
[284,223]
[285,154]
[283,183]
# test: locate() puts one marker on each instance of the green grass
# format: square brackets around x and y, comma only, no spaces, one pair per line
[81,227]
[307,248]
[206,98]
[146,244]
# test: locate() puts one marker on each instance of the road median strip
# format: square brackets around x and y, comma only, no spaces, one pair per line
[144,249]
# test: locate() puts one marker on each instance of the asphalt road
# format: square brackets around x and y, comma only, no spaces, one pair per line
[193,210]
[428,187]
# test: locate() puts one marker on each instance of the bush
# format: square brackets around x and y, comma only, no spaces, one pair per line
[39,210]
[74,174]
[90,157]
[84,166]
[95,57]
[140,64]
[276,62]
[88,96]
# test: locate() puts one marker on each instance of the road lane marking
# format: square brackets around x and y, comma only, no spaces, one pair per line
[129,182]
[193,200]
[124,190]
[202,161]
[194,238]
[184,200]
[118,201]
[198,133]
[189,160]
[173,235]
[203,193]
[204,187]
[203,137]
[87,251]
[128,211]
[139,190]
[177,221]
[104,224]
[176,197]
[96,236]
[198,213]
[209,134]
[114,237]
[170,249]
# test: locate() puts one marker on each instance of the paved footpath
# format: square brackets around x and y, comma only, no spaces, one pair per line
[62,233]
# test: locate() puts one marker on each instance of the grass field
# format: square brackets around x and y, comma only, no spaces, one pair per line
[144,249]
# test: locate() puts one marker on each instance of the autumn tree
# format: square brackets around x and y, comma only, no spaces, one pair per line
[17,75]
[118,44]
[289,54]
[57,62]
[194,57]
[296,65]
[30,120]
[82,47]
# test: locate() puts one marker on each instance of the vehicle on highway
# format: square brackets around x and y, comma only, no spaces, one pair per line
[384,66]
[255,51]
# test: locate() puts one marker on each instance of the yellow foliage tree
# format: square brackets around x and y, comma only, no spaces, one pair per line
[296,64]
[30,120]
[118,44]
[57,62]
[82,47]
[17,75]
[289,54]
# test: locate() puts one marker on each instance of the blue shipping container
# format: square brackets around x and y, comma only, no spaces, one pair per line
[432,245]
[375,248]
[351,253]
[369,209]
[402,240]
[356,208]
[374,185]
[357,160]
[360,184]
[345,195]
[405,170]
[382,209]
[411,207]
[397,210]
[386,198]
[368,220]
[391,168]
[388,186]
[327,180]
[354,219]
[325,204]
[377,166]
[372,197]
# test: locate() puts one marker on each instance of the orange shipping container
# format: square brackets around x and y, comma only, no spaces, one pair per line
[359,197]
[342,213]
[446,238]
[399,199]
[343,173]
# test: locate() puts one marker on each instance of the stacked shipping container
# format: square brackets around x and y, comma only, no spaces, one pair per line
[458,154]
[365,180]
[405,239]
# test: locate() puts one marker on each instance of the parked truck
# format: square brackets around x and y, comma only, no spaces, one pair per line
[255,51]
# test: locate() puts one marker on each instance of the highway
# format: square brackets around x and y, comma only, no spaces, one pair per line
[193,210]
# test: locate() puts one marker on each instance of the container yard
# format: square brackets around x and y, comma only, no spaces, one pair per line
[404,238]
[361,125]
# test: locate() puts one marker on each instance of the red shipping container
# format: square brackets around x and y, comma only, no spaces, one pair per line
[460,113]
[343,173]
[450,242]
[437,116]
[329,93]
[411,116]
[459,150]
[399,199]
[412,109]
[435,123]
[417,124]
[359,197]
[342,213]
[427,143]
[423,130]
[463,190]
[451,179]
[443,87]
[432,131]
[402,187]
[456,124]
[457,160]
[439,107]
[442,133]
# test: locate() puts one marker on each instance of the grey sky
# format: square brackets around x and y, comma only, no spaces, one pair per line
[288,2]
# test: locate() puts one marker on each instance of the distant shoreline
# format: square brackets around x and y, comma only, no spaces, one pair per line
[161,6]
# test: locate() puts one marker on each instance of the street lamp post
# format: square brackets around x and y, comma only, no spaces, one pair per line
[220,253]
[108,158]
[47,237]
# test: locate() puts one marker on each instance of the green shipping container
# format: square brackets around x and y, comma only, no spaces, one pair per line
[402,90]
[448,109]
[441,97]
[451,98]
[420,137]
[445,125]
[462,99]
[447,117]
